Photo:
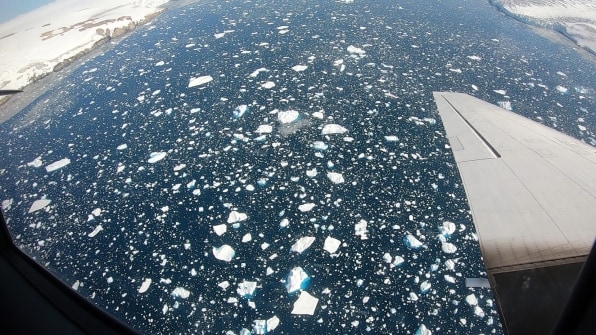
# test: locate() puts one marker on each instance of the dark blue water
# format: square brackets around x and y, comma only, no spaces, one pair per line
[157,217]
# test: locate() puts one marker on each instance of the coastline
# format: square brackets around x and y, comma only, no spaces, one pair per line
[26,68]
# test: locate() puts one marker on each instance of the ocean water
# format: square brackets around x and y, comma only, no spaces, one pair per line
[200,159]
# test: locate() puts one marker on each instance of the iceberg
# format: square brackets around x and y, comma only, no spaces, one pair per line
[355,50]
[302,244]
[145,285]
[220,229]
[57,165]
[425,286]
[306,207]
[155,157]
[256,72]
[37,162]
[239,111]
[391,138]
[224,253]
[447,229]
[287,116]
[472,300]
[319,145]
[268,85]
[264,129]
[448,248]
[299,68]
[422,330]
[332,128]
[181,292]
[360,229]
[95,231]
[197,81]
[272,323]
[412,242]
[246,289]
[38,204]
[305,305]
[336,178]
[331,244]
[297,280]
[236,217]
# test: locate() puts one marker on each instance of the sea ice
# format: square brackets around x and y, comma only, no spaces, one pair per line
[287,116]
[422,330]
[179,167]
[336,178]
[448,248]
[331,244]
[299,68]
[268,85]
[332,128]
[236,217]
[95,231]
[246,289]
[155,157]
[391,138]
[38,204]
[145,285]
[306,207]
[256,72]
[224,253]
[272,323]
[312,172]
[302,244]
[501,92]
[37,162]
[447,229]
[196,81]
[220,229]
[57,165]
[264,129]
[305,305]
[319,145]
[181,292]
[297,280]
[360,229]
[425,286]
[239,111]
[412,242]
[355,50]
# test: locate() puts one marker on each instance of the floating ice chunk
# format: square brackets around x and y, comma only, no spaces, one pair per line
[224,253]
[474,87]
[305,305]
[331,244]
[219,35]
[246,238]
[256,72]
[319,145]
[361,230]
[412,242]
[471,300]
[220,229]
[336,178]
[236,217]
[332,128]
[145,285]
[391,138]
[181,292]
[479,312]
[474,57]
[448,248]
[160,63]
[272,323]
[239,111]
[264,129]
[450,264]
[297,280]
[312,172]
[306,207]
[38,204]
[449,279]
[425,286]
[196,81]
[318,115]
[302,244]
[422,330]
[122,146]
[501,92]
[6,204]
[155,157]
[57,165]
[355,50]
[37,162]
[95,231]
[287,116]
[284,223]
[268,85]
[246,289]
[299,68]
[179,167]
[562,89]
[96,212]
[447,229]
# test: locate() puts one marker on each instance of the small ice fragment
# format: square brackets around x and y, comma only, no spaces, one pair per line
[156,157]
[145,285]
[447,229]
[331,244]
[479,312]
[501,92]
[360,229]
[236,217]
[220,229]
[297,280]
[391,138]
[318,115]
[471,300]
[239,111]
[333,128]
[160,63]
[268,85]
[219,35]
[224,284]
[299,68]
[181,292]
[287,116]
[165,308]
[474,87]
[256,72]
[412,242]
[448,248]
[312,173]
[284,223]
[246,289]
[37,162]
[179,167]
[264,129]
[272,323]
[196,81]
[387,258]
[336,178]
[38,204]
[57,165]
[302,244]
[319,145]
[246,238]
[224,253]
[355,50]
[449,279]
[422,330]
[425,286]
[305,305]
[306,207]
[95,231]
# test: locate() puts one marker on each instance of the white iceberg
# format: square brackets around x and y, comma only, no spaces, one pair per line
[95,231]
[196,81]
[306,207]
[224,253]
[264,129]
[246,289]
[37,162]
[155,157]
[302,244]
[391,138]
[297,280]
[422,330]
[268,85]
[220,229]
[448,248]
[360,229]
[287,116]
[305,305]
[355,50]
[181,292]
[336,178]
[145,285]
[333,128]
[331,244]
[38,204]
[319,145]
[239,111]
[447,228]
[57,165]
[412,242]
[236,217]
[299,68]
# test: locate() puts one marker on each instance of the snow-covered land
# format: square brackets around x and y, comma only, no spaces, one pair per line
[50,37]
[576,19]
